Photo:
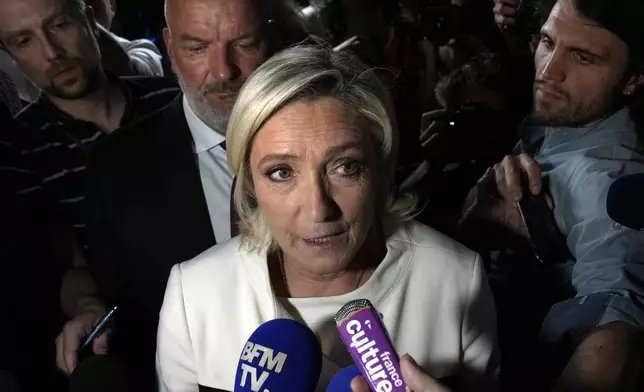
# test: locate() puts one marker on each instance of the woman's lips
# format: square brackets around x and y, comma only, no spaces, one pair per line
[324,242]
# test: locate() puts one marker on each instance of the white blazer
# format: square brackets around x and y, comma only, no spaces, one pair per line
[432,293]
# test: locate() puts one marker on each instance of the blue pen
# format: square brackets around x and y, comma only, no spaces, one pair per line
[98,329]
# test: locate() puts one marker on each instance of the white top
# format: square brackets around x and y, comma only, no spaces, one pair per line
[144,54]
[431,291]
[216,176]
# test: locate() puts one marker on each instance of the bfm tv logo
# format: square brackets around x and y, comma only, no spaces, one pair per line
[267,360]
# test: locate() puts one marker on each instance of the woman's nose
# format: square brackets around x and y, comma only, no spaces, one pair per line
[319,203]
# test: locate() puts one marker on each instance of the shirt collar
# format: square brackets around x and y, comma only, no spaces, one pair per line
[533,136]
[204,137]
[129,113]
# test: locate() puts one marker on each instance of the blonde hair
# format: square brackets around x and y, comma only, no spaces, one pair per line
[309,72]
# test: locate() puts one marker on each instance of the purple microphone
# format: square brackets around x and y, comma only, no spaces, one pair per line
[366,339]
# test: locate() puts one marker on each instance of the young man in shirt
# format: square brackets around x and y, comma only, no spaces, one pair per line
[161,188]
[43,160]
[579,139]
[55,45]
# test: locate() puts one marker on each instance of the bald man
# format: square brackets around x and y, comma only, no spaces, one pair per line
[162,187]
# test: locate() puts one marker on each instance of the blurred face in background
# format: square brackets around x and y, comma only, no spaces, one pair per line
[214,45]
[314,171]
[581,69]
[54,44]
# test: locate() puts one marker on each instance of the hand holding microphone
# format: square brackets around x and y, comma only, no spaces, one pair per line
[416,378]
[366,338]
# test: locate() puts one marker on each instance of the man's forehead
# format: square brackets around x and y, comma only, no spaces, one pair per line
[241,10]
[16,15]
[576,30]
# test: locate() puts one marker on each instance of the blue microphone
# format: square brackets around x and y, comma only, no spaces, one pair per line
[280,356]
[341,382]
[624,202]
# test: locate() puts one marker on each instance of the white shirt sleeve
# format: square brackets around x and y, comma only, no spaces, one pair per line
[175,358]
[144,55]
[481,357]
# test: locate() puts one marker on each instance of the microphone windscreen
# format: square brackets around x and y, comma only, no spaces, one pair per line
[364,335]
[625,201]
[281,355]
[341,382]
[99,373]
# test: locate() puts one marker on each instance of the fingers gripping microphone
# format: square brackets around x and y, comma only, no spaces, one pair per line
[625,201]
[366,339]
[341,382]
[280,356]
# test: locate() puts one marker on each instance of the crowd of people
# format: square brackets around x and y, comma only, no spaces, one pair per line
[449,161]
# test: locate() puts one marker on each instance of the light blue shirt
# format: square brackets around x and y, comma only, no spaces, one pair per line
[579,165]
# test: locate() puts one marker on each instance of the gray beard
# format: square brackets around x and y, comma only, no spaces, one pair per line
[212,117]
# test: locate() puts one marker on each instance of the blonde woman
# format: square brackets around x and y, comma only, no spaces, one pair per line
[313,143]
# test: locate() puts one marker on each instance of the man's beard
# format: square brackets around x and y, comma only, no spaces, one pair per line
[572,114]
[85,84]
[215,117]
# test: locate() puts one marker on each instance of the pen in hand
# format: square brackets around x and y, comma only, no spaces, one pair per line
[99,329]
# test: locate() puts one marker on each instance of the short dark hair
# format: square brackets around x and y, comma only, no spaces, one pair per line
[624,18]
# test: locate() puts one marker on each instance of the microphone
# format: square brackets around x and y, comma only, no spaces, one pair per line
[625,201]
[365,337]
[281,355]
[341,382]
[99,373]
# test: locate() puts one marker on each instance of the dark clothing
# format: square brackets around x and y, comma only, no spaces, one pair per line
[149,212]
[44,158]
[29,299]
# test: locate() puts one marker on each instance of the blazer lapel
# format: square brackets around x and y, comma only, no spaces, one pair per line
[234,218]
[181,195]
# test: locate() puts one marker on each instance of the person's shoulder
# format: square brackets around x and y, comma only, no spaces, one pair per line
[142,133]
[222,259]
[422,237]
[219,268]
[31,126]
[145,88]
[430,249]
[32,115]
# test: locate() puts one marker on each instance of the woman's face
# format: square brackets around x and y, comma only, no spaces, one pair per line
[313,168]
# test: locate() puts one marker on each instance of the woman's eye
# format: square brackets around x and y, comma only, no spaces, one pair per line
[350,168]
[280,174]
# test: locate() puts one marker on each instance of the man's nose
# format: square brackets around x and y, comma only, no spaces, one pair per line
[222,64]
[554,67]
[318,201]
[52,50]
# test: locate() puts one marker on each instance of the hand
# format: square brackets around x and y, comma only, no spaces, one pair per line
[434,126]
[69,340]
[505,13]
[417,379]
[495,197]
[509,172]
